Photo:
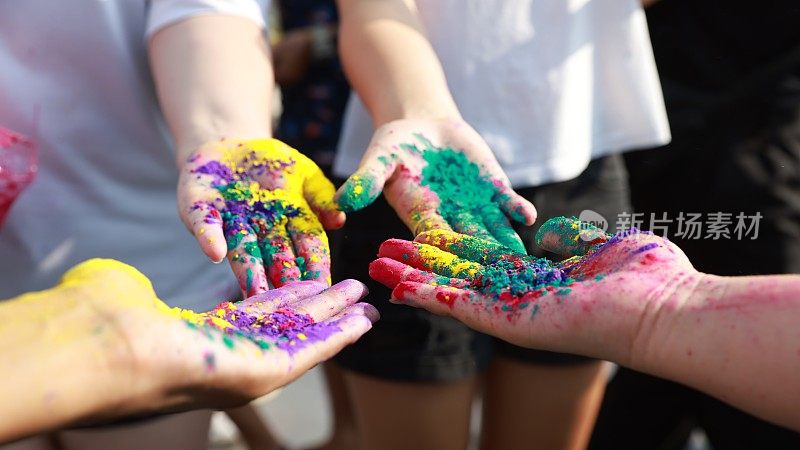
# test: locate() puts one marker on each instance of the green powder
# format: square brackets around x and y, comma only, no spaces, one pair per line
[478,250]
[467,197]
[251,248]
[569,236]
[357,193]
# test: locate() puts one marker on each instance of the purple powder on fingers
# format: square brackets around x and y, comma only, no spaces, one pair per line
[646,247]
[284,328]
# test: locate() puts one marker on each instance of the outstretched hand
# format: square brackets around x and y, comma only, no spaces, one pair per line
[535,302]
[438,174]
[161,358]
[264,205]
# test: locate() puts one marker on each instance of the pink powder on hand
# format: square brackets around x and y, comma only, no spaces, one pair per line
[18,165]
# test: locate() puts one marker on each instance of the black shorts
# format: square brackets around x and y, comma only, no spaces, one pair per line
[410,344]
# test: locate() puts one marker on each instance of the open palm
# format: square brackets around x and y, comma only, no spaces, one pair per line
[227,356]
[438,174]
[264,205]
[535,302]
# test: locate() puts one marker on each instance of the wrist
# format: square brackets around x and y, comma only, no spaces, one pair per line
[417,109]
[73,366]
[666,324]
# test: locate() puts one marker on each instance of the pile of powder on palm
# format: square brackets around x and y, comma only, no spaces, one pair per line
[284,328]
[466,197]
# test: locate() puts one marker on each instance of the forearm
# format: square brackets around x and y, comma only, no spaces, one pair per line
[736,338]
[214,80]
[59,366]
[390,62]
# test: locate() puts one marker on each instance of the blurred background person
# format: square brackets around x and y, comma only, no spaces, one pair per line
[730,74]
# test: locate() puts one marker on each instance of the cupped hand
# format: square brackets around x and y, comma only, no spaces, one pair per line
[264,205]
[180,359]
[438,174]
[603,291]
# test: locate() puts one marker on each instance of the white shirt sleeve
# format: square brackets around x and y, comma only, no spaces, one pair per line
[166,12]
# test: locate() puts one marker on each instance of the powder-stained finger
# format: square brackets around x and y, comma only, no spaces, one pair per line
[333,300]
[390,273]
[366,184]
[244,256]
[203,219]
[416,205]
[278,253]
[465,222]
[349,324]
[428,258]
[311,246]
[286,294]
[442,300]
[502,231]
[470,308]
[464,246]
[425,219]
[269,162]
[515,206]
[569,236]
[319,192]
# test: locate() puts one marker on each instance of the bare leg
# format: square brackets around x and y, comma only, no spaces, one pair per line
[393,415]
[32,443]
[345,434]
[547,407]
[186,431]
[253,427]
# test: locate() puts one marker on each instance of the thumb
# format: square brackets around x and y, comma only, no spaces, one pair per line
[366,184]
[569,236]
[319,193]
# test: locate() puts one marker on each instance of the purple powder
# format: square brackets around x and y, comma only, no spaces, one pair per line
[220,173]
[284,328]
[646,247]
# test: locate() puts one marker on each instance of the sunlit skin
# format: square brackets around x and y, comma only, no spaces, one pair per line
[634,299]
[393,164]
[120,351]
[267,212]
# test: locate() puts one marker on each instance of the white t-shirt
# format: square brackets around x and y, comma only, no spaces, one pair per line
[550,84]
[107,176]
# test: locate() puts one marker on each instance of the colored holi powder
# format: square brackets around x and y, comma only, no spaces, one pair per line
[444,263]
[569,236]
[512,282]
[646,247]
[210,360]
[468,247]
[353,197]
[466,197]
[274,216]
[284,328]
[249,279]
